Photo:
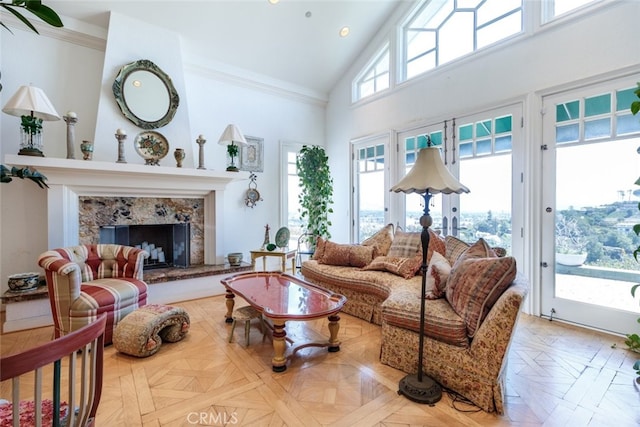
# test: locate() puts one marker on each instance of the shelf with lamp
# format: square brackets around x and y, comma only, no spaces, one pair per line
[33,107]
[428,176]
[233,138]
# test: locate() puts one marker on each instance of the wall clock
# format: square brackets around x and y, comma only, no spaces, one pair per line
[253,195]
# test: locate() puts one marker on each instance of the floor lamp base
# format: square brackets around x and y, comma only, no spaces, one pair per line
[425,391]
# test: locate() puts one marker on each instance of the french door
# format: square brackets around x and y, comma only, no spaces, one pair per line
[485,152]
[590,163]
[370,186]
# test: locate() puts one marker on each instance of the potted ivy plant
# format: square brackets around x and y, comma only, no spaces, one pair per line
[316,193]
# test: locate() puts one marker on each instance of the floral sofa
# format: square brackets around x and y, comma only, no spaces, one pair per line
[473,300]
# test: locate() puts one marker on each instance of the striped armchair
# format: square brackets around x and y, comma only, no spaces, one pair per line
[87,280]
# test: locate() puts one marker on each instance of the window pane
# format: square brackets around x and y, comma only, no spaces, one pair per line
[456,37]
[421,42]
[436,138]
[366,89]
[422,141]
[628,123]
[466,132]
[493,9]
[499,30]
[503,124]
[563,6]
[410,144]
[568,133]
[466,150]
[483,128]
[597,105]
[382,82]
[503,143]
[624,98]
[486,210]
[483,146]
[567,111]
[597,128]
[421,64]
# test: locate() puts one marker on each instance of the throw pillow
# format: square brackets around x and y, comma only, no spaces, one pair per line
[346,255]
[381,240]
[437,274]
[405,244]
[319,252]
[454,248]
[400,266]
[475,284]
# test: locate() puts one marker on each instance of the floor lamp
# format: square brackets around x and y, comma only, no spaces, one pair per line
[428,176]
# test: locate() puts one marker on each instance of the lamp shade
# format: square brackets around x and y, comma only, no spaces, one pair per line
[429,174]
[30,100]
[232,134]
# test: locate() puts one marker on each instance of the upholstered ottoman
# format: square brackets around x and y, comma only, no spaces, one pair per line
[141,332]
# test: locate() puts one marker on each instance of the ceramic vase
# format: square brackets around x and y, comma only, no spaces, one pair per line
[87,150]
[179,156]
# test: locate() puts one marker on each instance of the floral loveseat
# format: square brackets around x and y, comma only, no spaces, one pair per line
[473,301]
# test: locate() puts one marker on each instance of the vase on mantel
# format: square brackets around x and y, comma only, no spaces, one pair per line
[179,155]
[87,150]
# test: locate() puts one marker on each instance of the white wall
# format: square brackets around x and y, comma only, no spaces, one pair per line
[75,67]
[594,45]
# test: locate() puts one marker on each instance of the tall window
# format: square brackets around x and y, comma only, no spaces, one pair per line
[375,77]
[443,30]
[290,205]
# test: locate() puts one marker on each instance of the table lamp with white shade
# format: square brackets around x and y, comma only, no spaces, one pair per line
[232,137]
[428,176]
[32,106]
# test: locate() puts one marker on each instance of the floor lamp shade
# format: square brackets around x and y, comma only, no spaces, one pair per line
[428,176]
[32,105]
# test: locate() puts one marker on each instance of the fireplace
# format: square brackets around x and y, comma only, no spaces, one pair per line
[70,179]
[167,244]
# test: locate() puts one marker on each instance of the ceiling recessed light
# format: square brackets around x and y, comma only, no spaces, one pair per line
[274,1]
[344,31]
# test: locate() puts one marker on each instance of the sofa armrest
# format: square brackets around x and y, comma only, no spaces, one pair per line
[492,340]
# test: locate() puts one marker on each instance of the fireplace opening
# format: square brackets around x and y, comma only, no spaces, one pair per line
[167,244]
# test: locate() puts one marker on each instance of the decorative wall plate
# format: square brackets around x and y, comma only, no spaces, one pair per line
[151,146]
[282,237]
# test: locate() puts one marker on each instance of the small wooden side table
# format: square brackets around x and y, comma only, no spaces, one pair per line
[282,254]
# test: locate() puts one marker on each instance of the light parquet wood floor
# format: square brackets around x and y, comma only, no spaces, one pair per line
[557,375]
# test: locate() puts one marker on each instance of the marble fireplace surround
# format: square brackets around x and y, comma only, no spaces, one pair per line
[70,178]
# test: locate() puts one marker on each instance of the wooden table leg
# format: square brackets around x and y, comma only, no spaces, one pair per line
[230,302]
[334,327]
[279,362]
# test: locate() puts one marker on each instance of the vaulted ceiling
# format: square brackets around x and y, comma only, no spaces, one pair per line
[295,41]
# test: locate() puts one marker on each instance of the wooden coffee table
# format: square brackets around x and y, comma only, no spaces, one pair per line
[281,297]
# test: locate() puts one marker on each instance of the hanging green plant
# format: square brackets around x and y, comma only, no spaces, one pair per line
[316,193]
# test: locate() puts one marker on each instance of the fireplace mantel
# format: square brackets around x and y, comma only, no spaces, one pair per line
[159,180]
[69,178]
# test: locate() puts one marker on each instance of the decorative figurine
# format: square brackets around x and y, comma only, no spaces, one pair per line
[121,135]
[266,237]
[253,196]
[201,142]
[71,119]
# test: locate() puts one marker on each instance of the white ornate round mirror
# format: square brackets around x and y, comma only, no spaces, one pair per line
[145,94]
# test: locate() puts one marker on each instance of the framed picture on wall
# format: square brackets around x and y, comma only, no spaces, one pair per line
[251,155]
